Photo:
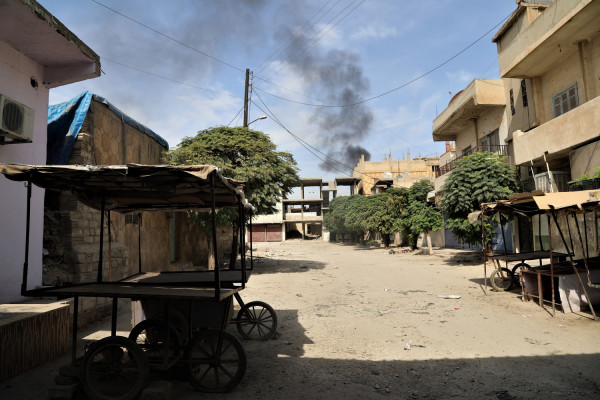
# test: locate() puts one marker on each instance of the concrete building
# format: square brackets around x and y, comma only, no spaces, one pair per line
[549,58]
[551,52]
[475,120]
[37,53]
[374,177]
[300,217]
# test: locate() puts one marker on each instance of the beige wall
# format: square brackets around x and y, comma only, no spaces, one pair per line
[72,230]
[585,159]
[419,168]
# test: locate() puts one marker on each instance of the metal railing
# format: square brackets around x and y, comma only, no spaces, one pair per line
[497,149]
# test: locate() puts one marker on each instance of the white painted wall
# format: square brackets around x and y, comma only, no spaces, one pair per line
[16,71]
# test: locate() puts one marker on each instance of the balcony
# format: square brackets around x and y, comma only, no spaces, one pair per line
[498,149]
[549,39]
[480,96]
[560,135]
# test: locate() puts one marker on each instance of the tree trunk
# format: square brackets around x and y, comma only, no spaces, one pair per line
[386,239]
[234,247]
[429,243]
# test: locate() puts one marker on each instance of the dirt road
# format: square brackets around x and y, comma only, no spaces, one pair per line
[358,323]
[346,315]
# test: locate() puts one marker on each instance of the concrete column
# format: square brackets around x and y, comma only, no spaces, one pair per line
[587,68]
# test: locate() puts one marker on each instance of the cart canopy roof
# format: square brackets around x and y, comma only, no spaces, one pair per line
[539,202]
[135,187]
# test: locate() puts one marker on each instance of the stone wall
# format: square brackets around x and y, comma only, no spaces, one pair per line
[72,230]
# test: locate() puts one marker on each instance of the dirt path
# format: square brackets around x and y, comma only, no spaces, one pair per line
[347,314]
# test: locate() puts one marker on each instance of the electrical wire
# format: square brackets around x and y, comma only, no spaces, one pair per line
[316,37]
[166,78]
[238,113]
[311,148]
[429,72]
[167,36]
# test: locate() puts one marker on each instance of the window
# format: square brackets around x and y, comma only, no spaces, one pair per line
[132,218]
[512,102]
[491,142]
[565,101]
[524,92]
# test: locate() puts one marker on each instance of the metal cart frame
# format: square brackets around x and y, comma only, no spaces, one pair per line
[135,188]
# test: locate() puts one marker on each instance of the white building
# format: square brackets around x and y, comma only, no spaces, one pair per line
[37,53]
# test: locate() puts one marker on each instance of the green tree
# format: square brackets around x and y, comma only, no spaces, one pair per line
[478,178]
[420,216]
[244,154]
[358,214]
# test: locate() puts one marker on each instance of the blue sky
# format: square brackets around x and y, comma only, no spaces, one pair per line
[334,52]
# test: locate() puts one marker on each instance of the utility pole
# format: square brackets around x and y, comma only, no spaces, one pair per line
[246,97]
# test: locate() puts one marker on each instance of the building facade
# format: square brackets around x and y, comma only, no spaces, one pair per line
[37,53]
[374,177]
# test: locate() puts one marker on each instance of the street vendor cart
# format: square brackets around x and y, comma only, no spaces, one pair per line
[550,281]
[118,367]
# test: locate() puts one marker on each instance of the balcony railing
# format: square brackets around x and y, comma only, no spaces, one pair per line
[497,149]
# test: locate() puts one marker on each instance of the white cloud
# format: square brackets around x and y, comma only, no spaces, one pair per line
[374,32]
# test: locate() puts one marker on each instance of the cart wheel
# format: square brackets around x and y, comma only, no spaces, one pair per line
[516,271]
[151,336]
[256,321]
[114,368]
[212,369]
[502,281]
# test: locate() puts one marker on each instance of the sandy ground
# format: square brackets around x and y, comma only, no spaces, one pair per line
[346,315]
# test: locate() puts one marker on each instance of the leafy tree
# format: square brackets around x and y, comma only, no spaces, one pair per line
[358,214]
[478,178]
[420,216]
[243,154]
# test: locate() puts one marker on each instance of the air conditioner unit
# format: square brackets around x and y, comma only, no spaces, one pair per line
[16,120]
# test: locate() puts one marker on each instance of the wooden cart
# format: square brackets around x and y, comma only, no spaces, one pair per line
[117,367]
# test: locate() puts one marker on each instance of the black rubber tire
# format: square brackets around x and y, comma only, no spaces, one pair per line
[209,373]
[516,271]
[151,336]
[256,321]
[501,283]
[114,368]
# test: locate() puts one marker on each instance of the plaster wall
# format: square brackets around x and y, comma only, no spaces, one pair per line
[16,73]
[585,159]
[524,118]
[560,134]
[419,168]
[466,138]
[556,80]
[530,35]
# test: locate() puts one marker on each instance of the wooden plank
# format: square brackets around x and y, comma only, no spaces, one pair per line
[133,291]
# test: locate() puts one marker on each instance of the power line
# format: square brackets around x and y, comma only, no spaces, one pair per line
[167,36]
[429,72]
[302,142]
[310,148]
[316,37]
[238,113]
[167,79]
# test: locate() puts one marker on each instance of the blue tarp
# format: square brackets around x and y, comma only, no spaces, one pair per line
[65,121]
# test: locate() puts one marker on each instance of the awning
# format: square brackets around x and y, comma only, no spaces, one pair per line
[539,202]
[135,187]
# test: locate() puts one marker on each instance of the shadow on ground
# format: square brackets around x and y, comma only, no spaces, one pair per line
[277,266]
[278,368]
